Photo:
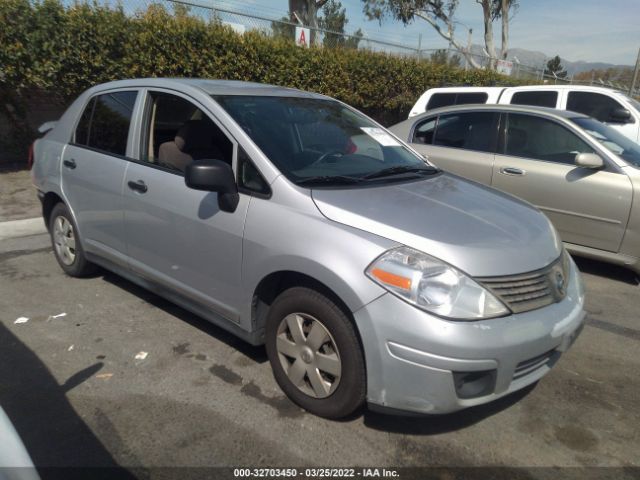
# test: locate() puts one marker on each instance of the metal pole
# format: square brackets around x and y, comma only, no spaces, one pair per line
[419,46]
[635,74]
[466,58]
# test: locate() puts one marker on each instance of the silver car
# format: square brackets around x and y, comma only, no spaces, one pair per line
[293,220]
[582,173]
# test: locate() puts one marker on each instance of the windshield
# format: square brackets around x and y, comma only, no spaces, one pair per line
[611,139]
[322,142]
[634,102]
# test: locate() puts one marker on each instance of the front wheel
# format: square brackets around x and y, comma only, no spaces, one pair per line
[66,244]
[315,353]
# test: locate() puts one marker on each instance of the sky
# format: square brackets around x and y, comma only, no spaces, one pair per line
[590,30]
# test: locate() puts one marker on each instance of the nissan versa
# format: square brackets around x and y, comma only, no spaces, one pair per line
[293,220]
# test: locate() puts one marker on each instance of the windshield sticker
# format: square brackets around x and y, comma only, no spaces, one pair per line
[380,136]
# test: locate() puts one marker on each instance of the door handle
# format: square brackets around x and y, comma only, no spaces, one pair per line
[71,163]
[512,171]
[138,186]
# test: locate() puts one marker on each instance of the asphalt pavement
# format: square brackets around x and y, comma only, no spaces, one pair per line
[104,373]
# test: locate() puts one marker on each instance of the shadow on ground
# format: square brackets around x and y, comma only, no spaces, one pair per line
[607,270]
[257,354]
[57,439]
[437,424]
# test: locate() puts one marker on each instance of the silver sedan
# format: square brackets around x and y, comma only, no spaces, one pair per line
[292,220]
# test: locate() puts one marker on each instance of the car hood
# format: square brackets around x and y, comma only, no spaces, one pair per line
[477,229]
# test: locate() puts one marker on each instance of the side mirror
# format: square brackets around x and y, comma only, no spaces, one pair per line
[589,160]
[620,115]
[214,176]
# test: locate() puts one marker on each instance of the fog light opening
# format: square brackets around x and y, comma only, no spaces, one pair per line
[474,384]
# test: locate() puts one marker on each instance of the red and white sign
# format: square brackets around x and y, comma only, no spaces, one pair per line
[504,67]
[303,37]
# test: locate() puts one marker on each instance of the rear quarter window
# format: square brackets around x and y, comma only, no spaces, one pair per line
[438,100]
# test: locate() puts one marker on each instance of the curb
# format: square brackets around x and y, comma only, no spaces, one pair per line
[22,228]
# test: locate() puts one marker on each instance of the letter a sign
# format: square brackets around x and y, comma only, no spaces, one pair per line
[303,36]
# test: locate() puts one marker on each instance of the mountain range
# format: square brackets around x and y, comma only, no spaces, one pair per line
[537,59]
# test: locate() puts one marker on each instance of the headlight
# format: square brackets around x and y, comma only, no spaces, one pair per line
[434,286]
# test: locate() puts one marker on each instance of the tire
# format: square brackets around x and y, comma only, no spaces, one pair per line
[324,370]
[66,244]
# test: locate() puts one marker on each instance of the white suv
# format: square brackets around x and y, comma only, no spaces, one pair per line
[609,106]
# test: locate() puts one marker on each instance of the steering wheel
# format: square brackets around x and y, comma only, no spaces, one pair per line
[324,156]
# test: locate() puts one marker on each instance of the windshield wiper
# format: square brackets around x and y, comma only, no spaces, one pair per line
[399,169]
[324,179]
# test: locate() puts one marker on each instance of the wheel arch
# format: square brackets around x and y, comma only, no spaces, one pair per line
[273,284]
[49,201]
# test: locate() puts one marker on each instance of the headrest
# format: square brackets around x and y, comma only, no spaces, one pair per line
[517,138]
[193,135]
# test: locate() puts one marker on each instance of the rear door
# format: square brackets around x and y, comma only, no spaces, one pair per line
[587,207]
[461,142]
[93,169]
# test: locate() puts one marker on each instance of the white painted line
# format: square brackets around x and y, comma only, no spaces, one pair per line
[22,228]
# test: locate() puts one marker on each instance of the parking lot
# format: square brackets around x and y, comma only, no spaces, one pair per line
[78,395]
[75,381]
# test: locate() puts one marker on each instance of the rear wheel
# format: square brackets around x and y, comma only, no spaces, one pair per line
[66,244]
[315,353]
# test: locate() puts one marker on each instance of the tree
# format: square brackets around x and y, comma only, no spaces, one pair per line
[555,68]
[283,28]
[305,11]
[334,19]
[441,57]
[353,41]
[440,14]
[623,75]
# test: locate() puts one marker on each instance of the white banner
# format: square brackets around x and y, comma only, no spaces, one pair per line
[303,37]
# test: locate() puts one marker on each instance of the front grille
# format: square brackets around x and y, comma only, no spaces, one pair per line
[529,366]
[528,291]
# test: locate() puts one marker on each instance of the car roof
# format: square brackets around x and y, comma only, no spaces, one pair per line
[552,112]
[577,87]
[458,89]
[211,87]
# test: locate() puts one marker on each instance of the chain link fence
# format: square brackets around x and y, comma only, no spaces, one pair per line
[243,21]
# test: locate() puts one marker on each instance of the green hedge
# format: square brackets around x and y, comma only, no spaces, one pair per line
[63,50]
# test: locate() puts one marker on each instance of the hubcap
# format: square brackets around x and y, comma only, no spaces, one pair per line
[64,240]
[309,355]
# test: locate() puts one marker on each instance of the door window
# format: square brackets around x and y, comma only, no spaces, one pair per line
[468,130]
[423,133]
[541,139]
[595,105]
[177,132]
[544,98]
[104,124]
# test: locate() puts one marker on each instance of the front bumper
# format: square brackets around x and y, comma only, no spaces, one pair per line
[415,361]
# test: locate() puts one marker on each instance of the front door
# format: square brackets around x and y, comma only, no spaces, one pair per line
[587,207]
[176,236]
